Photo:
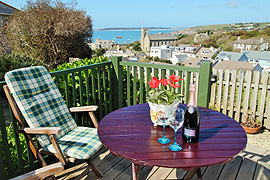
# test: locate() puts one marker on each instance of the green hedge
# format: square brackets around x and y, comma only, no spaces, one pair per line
[13,61]
[13,149]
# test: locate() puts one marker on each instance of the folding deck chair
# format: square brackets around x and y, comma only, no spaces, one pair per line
[33,94]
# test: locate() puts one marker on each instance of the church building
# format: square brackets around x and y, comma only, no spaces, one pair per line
[155,40]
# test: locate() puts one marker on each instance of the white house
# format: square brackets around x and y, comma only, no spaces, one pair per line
[259,57]
[162,52]
[178,58]
[186,49]
[183,52]
[105,44]
[207,53]
[231,56]
[250,44]
[201,37]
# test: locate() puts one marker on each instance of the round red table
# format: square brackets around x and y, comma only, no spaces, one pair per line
[129,133]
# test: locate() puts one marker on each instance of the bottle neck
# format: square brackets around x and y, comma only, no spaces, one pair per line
[192,97]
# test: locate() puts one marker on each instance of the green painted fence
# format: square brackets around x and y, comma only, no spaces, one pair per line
[110,85]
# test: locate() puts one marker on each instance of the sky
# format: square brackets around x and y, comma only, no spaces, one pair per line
[168,13]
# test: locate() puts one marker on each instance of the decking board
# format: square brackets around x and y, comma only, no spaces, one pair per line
[254,163]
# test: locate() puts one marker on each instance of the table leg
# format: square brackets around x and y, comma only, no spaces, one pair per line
[199,174]
[191,173]
[135,171]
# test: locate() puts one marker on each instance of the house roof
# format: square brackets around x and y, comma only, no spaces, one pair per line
[212,52]
[188,46]
[156,62]
[181,56]
[162,37]
[6,9]
[259,55]
[234,65]
[232,56]
[195,62]
[115,48]
[248,41]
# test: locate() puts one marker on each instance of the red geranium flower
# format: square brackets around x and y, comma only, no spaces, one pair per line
[154,83]
[165,82]
[164,95]
[174,85]
[175,78]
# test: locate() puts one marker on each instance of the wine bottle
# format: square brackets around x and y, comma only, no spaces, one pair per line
[191,126]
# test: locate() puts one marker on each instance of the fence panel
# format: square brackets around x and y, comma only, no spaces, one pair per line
[141,73]
[242,94]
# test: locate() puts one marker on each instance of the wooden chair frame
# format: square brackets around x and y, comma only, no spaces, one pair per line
[51,131]
[41,173]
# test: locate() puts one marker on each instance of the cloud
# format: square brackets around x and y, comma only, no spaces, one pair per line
[233,4]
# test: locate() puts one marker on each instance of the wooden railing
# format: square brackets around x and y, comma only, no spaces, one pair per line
[110,85]
[239,94]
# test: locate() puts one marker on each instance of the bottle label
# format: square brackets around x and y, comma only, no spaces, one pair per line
[189,132]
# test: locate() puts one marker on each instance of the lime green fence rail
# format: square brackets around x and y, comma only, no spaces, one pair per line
[110,85]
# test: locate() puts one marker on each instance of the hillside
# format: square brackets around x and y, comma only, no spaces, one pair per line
[224,27]
[224,36]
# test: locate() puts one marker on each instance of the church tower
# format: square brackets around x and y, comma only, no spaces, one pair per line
[144,38]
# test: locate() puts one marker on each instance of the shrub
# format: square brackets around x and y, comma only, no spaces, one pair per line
[11,62]
[50,31]
[100,52]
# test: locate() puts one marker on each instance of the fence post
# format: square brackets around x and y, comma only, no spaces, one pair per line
[204,90]
[117,83]
[2,172]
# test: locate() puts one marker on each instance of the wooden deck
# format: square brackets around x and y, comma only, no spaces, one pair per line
[253,163]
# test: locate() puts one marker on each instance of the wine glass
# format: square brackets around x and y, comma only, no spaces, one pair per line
[176,122]
[164,116]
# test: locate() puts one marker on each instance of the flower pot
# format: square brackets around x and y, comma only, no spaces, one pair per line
[154,107]
[250,130]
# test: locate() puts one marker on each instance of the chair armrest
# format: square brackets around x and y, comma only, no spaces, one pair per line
[41,130]
[83,109]
[41,173]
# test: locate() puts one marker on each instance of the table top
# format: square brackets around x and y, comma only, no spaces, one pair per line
[129,133]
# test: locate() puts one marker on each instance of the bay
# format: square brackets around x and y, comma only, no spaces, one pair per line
[128,36]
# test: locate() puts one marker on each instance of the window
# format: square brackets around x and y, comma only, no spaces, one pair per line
[205,52]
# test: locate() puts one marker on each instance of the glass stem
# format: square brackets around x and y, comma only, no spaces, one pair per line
[164,130]
[175,137]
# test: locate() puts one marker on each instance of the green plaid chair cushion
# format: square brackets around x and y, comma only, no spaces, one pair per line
[40,101]
[80,143]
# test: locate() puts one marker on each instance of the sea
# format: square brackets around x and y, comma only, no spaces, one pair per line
[127,36]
